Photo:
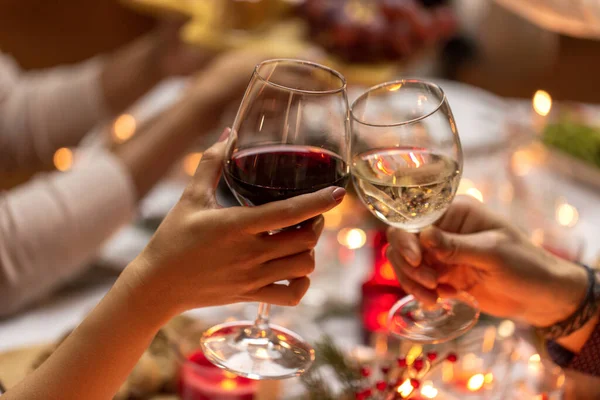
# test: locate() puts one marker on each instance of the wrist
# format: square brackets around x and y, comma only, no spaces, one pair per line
[566,288]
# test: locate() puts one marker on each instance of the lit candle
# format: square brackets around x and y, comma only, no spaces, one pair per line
[201,380]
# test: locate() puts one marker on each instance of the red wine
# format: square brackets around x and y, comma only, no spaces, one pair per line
[264,174]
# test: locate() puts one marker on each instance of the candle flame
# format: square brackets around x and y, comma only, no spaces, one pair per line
[475,382]
[542,102]
[63,159]
[228,384]
[124,128]
[405,389]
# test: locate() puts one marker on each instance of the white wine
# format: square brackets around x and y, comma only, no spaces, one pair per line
[404,187]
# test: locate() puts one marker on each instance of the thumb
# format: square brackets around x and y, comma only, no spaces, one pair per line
[209,168]
[452,248]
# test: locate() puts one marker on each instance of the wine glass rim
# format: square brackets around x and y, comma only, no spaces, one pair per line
[398,82]
[337,74]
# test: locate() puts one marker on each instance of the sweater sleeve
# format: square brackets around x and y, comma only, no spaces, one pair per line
[53,225]
[43,111]
[588,359]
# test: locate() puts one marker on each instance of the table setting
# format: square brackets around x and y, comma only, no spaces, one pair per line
[356,334]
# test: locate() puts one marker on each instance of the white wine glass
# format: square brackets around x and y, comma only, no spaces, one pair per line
[291,136]
[406,166]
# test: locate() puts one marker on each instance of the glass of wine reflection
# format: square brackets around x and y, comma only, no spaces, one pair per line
[290,137]
[406,166]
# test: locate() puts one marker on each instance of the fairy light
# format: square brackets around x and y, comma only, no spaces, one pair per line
[542,102]
[63,159]
[190,163]
[488,378]
[566,215]
[475,382]
[414,353]
[353,239]
[506,328]
[475,193]
[428,391]
[405,389]
[535,358]
[124,128]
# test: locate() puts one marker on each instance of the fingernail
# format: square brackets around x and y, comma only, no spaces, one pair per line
[338,194]
[225,134]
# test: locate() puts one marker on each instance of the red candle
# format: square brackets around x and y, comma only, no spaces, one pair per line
[201,380]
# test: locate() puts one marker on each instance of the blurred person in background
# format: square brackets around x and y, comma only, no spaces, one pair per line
[471,249]
[52,226]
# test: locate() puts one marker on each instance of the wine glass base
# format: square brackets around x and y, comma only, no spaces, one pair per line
[241,348]
[449,319]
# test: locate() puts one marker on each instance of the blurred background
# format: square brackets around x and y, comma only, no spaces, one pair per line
[520,75]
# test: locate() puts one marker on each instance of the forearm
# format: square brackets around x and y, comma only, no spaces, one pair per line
[97,357]
[53,226]
[129,73]
[162,141]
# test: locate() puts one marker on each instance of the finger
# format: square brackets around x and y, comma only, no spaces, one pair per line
[423,274]
[283,295]
[406,244]
[285,269]
[447,291]
[286,213]
[426,296]
[209,168]
[294,241]
[475,249]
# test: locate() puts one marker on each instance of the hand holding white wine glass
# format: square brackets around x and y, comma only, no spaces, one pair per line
[406,166]
[290,137]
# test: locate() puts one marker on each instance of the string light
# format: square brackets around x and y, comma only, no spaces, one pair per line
[542,102]
[428,391]
[353,239]
[63,159]
[475,382]
[124,128]
[566,215]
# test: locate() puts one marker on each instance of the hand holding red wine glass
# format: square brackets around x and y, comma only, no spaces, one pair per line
[291,137]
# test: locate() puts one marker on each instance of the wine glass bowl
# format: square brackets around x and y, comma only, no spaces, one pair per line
[406,166]
[291,136]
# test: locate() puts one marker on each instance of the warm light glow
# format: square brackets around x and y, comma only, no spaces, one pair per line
[537,236]
[428,391]
[63,159]
[405,389]
[507,192]
[333,218]
[489,378]
[229,375]
[471,362]
[382,318]
[387,271]
[506,328]
[414,353]
[393,88]
[228,384]
[447,372]
[261,353]
[567,215]
[353,239]
[190,163]
[475,193]
[415,159]
[124,128]
[475,382]
[489,338]
[535,358]
[464,185]
[521,163]
[542,102]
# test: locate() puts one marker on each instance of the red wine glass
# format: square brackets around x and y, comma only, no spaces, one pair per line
[291,136]
[406,165]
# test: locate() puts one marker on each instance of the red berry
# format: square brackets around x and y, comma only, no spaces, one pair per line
[431,356]
[415,383]
[359,396]
[402,362]
[418,364]
[365,372]
[452,357]
[381,385]
[368,392]
[385,369]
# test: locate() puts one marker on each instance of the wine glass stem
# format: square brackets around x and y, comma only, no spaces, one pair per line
[262,319]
